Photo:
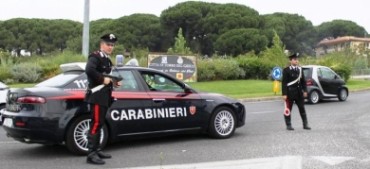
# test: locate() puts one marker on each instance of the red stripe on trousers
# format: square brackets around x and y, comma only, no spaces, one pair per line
[96,119]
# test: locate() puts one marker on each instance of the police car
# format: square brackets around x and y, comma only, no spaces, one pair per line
[3,91]
[149,103]
[323,83]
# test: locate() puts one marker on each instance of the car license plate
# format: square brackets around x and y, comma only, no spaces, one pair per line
[8,122]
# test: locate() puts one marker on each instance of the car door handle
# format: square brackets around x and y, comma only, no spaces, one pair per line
[159,100]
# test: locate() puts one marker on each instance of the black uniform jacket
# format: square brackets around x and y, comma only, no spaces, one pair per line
[297,89]
[97,65]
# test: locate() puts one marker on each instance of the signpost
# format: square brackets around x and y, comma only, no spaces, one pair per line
[276,74]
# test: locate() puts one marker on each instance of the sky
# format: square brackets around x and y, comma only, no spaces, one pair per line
[316,11]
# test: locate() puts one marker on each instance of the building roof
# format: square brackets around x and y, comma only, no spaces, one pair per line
[326,41]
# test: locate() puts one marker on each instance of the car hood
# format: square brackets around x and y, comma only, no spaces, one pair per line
[217,97]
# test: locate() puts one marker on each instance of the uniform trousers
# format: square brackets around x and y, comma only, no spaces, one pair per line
[97,122]
[297,98]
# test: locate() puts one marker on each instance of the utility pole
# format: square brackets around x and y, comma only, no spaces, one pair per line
[86,29]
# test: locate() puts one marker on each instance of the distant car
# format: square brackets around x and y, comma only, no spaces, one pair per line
[149,103]
[3,91]
[323,83]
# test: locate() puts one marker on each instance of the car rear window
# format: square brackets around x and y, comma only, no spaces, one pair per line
[59,80]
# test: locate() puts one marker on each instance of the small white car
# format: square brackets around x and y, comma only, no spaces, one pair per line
[3,92]
[323,83]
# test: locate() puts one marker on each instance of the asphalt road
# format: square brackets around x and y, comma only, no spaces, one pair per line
[339,139]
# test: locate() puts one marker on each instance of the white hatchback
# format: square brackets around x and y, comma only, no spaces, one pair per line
[3,92]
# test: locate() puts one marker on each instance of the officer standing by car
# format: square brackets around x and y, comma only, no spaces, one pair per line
[99,100]
[294,90]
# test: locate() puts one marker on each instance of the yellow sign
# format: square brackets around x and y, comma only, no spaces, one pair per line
[276,86]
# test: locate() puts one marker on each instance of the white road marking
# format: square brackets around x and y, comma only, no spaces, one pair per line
[261,112]
[8,142]
[286,162]
[332,160]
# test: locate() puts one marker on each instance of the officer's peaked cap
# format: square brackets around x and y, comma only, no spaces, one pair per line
[294,55]
[109,38]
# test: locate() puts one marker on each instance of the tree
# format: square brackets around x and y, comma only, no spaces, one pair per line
[275,54]
[180,45]
[297,33]
[240,41]
[203,22]
[337,28]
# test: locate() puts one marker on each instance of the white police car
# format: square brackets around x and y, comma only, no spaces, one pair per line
[3,91]
[323,83]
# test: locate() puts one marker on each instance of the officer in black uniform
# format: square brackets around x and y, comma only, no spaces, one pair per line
[294,90]
[99,101]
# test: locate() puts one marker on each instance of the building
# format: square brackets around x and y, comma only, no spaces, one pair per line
[329,45]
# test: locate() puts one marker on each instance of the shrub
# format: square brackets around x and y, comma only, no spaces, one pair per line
[26,72]
[218,69]
[254,67]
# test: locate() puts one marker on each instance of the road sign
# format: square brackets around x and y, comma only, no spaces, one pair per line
[277,73]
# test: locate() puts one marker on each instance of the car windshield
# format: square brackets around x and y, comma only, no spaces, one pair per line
[59,80]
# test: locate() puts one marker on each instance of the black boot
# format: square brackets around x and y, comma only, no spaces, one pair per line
[93,158]
[305,123]
[101,154]
[288,123]
[289,127]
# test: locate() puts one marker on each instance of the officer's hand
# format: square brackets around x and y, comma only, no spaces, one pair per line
[107,80]
[304,94]
[285,97]
[118,84]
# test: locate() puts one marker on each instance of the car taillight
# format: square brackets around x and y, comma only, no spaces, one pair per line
[309,82]
[31,100]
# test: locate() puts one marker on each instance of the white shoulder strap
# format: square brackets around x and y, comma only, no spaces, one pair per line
[296,80]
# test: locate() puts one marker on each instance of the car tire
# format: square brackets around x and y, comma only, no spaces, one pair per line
[342,94]
[313,97]
[223,123]
[76,138]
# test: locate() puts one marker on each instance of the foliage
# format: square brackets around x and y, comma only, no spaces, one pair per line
[297,33]
[254,67]
[180,45]
[240,41]
[275,54]
[218,69]
[337,28]
[26,72]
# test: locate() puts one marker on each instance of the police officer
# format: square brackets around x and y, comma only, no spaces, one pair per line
[99,100]
[294,90]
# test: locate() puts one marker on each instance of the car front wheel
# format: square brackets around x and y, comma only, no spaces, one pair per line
[342,95]
[76,139]
[313,97]
[222,124]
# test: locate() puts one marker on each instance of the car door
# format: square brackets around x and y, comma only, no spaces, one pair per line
[328,80]
[127,115]
[176,107]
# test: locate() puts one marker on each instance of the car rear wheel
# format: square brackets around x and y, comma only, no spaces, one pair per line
[222,124]
[76,140]
[313,97]
[342,95]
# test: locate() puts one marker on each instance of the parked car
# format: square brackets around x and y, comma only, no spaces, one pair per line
[148,103]
[323,83]
[3,91]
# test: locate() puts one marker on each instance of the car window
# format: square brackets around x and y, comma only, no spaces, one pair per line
[326,73]
[306,72]
[158,82]
[129,82]
[59,80]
